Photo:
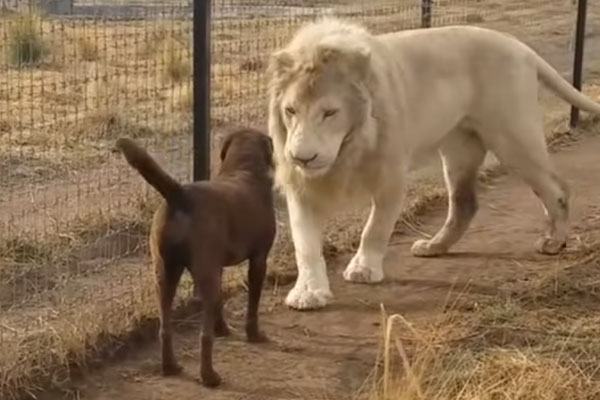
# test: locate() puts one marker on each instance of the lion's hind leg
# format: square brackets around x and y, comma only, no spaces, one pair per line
[535,169]
[462,154]
[514,131]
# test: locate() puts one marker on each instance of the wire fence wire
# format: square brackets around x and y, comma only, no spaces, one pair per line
[76,75]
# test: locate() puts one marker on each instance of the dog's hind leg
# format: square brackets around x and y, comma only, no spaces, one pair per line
[221,327]
[207,275]
[256,277]
[462,153]
[167,279]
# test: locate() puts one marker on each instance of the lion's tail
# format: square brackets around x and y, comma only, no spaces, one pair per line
[142,162]
[562,88]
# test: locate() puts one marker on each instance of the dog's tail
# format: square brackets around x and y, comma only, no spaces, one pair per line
[552,78]
[142,162]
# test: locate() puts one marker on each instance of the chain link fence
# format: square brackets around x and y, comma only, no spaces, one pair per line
[76,75]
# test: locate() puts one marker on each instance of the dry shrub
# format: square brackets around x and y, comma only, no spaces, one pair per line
[26,45]
[88,49]
[432,369]
[175,60]
[161,32]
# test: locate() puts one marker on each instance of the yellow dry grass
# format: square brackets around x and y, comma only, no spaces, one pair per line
[431,364]
[25,44]
[540,342]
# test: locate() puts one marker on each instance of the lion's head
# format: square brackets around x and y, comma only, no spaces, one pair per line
[320,104]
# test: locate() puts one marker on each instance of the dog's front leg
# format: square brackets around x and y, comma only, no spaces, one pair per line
[311,290]
[256,276]
[367,264]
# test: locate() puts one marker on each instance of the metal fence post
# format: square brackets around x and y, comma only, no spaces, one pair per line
[578,58]
[201,112]
[426,6]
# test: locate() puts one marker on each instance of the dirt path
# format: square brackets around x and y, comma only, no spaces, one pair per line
[328,354]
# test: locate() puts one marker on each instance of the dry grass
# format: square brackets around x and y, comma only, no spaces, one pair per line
[61,304]
[453,358]
[176,60]
[537,341]
[67,101]
[26,46]
[88,49]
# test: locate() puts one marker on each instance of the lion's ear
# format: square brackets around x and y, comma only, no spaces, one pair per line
[355,59]
[225,147]
[279,62]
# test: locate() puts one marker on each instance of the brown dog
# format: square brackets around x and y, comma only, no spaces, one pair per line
[205,226]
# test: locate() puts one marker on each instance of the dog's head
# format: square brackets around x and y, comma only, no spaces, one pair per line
[248,146]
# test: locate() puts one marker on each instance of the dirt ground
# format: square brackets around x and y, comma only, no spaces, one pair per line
[329,353]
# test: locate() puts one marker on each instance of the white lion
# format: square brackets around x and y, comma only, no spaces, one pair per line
[350,112]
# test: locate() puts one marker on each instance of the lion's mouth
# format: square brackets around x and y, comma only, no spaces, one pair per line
[314,171]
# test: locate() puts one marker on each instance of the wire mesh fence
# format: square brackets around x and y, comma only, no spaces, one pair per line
[76,75]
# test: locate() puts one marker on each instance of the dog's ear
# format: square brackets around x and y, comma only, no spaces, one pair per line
[225,147]
[269,150]
[353,58]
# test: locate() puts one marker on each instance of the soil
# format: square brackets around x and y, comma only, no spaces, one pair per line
[329,353]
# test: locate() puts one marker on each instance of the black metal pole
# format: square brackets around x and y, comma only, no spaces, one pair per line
[578,58]
[426,6]
[201,139]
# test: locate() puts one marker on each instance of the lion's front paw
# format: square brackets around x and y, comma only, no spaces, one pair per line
[301,297]
[359,273]
[550,246]
[424,248]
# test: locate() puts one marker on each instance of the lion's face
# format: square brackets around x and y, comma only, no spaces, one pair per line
[317,107]
[319,120]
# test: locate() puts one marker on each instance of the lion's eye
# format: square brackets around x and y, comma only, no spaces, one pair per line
[290,111]
[329,113]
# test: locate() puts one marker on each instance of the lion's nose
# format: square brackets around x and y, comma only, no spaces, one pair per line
[302,159]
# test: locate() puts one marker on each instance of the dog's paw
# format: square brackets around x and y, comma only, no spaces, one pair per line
[303,298]
[424,248]
[549,246]
[358,273]
[210,379]
[171,369]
